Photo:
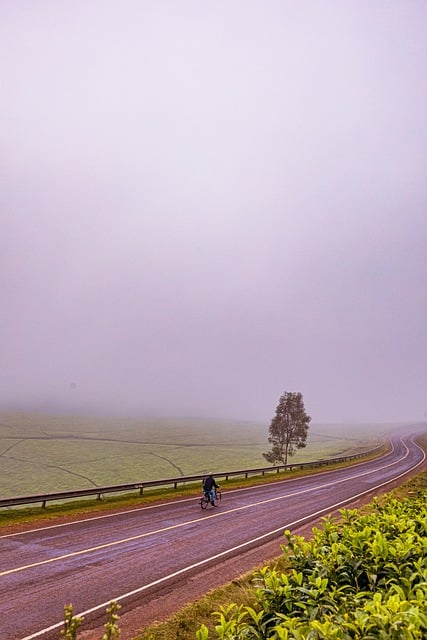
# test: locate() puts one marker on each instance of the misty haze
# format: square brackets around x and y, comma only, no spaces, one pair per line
[204,205]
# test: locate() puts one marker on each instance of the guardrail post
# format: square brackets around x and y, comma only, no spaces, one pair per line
[44,504]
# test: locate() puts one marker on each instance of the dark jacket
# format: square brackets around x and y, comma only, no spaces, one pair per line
[209,483]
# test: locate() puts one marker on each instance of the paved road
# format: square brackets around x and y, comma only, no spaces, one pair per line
[129,555]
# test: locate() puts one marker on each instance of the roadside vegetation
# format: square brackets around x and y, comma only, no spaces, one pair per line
[360,576]
[367,568]
[308,592]
[79,508]
[47,453]
[363,575]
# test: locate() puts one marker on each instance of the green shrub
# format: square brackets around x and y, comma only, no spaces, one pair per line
[72,623]
[358,577]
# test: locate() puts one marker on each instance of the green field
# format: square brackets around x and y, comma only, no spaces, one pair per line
[45,453]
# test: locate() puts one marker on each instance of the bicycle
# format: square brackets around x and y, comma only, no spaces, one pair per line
[205,499]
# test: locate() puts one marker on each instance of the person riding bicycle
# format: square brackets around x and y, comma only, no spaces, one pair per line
[209,486]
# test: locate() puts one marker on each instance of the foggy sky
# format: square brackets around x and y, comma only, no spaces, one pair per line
[204,204]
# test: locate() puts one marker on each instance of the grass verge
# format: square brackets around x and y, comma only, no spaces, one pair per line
[79,508]
[184,624]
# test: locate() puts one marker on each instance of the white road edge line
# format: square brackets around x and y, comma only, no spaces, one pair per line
[139,536]
[172,502]
[224,553]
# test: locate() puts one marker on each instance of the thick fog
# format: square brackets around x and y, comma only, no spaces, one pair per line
[204,204]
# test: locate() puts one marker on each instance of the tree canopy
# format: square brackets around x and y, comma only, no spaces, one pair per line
[288,429]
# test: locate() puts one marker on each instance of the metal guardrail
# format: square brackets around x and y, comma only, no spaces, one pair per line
[140,486]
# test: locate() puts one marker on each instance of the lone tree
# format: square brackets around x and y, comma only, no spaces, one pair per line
[288,429]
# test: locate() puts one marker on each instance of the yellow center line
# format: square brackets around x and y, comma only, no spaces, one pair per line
[123,541]
[97,548]
[139,536]
[183,524]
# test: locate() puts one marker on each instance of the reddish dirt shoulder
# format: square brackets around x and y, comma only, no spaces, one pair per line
[166,603]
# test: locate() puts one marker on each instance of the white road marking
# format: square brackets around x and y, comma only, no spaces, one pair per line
[171,503]
[329,509]
[188,522]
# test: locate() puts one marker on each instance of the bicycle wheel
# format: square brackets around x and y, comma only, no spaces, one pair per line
[217,498]
[204,501]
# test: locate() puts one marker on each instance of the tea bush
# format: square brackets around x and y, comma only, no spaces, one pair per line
[358,577]
[72,623]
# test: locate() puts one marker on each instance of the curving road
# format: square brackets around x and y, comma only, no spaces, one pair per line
[134,555]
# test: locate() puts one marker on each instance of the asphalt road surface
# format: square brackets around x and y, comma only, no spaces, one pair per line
[133,556]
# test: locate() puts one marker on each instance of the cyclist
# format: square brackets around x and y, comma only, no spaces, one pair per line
[209,486]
